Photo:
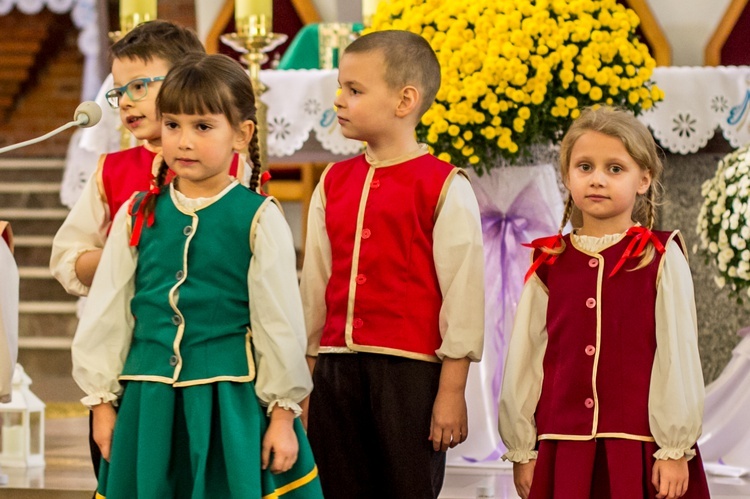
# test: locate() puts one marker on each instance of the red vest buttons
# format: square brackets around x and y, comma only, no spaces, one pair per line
[591,303]
[361,279]
[375,184]
[366,233]
[589,403]
[590,350]
[357,323]
[593,263]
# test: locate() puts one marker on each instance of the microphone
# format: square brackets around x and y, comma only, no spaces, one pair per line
[87,114]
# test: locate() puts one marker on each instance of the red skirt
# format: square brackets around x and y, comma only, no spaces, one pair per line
[610,468]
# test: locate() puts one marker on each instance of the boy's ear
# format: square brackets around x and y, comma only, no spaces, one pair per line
[408,102]
[244,134]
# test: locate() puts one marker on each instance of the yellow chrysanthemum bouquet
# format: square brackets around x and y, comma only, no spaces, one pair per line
[515,73]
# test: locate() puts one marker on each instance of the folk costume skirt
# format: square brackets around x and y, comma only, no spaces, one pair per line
[198,442]
[608,468]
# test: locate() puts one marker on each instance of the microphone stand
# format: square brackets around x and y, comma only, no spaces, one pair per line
[87,114]
[44,137]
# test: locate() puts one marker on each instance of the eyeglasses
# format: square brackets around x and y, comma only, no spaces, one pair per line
[136,90]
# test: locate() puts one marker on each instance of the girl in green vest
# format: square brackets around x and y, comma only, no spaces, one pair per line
[194,325]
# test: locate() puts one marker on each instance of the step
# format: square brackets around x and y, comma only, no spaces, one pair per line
[45,307]
[33,213]
[32,250]
[42,287]
[62,324]
[31,169]
[16,187]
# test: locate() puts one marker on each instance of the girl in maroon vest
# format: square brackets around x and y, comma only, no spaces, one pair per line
[603,391]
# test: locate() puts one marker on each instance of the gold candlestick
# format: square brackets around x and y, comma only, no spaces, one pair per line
[253,40]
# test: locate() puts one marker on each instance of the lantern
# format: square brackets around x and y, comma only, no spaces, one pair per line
[22,423]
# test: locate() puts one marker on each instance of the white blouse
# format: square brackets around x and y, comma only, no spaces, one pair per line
[676,392]
[8,319]
[104,333]
[459,262]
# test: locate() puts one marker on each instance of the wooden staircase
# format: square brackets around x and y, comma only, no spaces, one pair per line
[30,200]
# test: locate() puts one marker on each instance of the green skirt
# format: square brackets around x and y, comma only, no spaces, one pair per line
[198,442]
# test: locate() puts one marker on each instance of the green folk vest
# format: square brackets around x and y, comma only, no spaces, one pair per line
[191,303]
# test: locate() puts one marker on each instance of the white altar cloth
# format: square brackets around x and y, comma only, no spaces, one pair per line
[697,102]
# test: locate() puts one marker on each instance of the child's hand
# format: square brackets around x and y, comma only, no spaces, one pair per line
[103,427]
[449,426]
[670,477]
[281,441]
[522,476]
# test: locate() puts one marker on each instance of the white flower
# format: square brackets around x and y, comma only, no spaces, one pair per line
[745,255]
[713,247]
[732,272]
[720,281]
[744,231]
[741,244]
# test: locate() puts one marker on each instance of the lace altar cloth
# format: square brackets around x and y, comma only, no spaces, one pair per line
[697,101]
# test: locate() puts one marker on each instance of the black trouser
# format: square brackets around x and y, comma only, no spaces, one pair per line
[369,425]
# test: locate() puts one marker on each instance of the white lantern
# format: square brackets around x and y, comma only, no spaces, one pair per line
[22,422]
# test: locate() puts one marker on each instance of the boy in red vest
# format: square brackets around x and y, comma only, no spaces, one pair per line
[392,285]
[140,61]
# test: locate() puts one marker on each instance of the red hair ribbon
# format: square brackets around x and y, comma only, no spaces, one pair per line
[551,242]
[135,237]
[641,237]
[264,178]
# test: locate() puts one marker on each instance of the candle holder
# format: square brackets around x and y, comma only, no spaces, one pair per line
[254,41]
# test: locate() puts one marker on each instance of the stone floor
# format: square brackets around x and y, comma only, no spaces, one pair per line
[68,473]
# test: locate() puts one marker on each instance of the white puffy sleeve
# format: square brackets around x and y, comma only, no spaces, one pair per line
[84,229]
[102,339]
[316,271]
[677,388]
[458,252]
[276,316]
[8,317]
[522,378]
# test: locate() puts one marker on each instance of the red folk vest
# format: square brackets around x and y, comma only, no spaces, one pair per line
[125,172]
[383,295]
[601,344]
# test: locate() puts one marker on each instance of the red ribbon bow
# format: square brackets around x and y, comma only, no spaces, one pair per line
[641,237]
[543,243]
[135,237]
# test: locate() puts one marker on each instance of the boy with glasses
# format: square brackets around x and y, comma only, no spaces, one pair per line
[140,61]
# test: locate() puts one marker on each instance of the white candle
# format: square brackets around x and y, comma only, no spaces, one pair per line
[146,9]
[13,441]
[368,9]
[253,17]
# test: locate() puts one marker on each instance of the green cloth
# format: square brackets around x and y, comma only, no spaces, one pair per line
[303,51]
[199,442]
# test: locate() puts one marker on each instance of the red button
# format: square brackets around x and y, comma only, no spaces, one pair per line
[590,350]
[589,403]
[361,279]
[591,303]
[593,262]
[366,233]
[375,184]
[357,323]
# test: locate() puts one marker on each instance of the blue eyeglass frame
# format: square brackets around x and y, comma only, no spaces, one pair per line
[124,90]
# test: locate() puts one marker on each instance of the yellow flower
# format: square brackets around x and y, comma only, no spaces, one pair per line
[517,72]
[444,156]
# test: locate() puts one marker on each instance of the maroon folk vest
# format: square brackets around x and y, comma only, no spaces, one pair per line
[383,295]
[125,172]
[601,344]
